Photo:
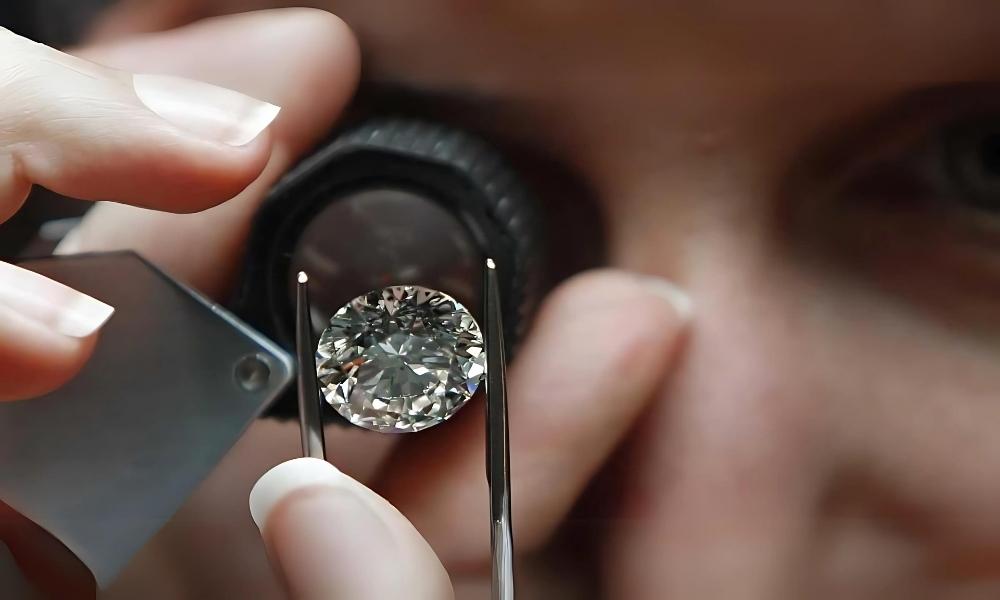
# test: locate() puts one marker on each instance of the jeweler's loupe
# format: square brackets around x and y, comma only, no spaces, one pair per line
[391,202]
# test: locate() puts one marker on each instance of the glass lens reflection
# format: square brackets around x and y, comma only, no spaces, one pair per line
[384,236]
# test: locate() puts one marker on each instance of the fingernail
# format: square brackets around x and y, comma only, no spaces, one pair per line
[51,303]
[670,292]
[331,537]
[322,533]
[286,478]
[209,111]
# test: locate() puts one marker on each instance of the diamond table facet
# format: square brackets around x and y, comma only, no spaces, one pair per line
[400,359]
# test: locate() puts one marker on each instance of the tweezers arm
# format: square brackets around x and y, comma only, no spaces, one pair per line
[310,419]
[497,440]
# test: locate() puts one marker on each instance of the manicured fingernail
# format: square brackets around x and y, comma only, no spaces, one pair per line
[209,111]
[51,303]
[331,537]
[670,292]
[286,478]
[322,534]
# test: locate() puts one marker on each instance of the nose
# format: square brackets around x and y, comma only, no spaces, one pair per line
[729,464]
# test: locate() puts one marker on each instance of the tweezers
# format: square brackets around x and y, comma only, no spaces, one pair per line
[310,417]
[497,436]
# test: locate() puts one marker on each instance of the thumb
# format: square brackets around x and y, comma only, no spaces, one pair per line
[331,538]
[95,133]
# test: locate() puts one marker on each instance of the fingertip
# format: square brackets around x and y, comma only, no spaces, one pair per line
[314,26]
[34,359]
[201,174]
[324,58]
[329,536]
[672,293]
[639,321]
[653,306]
[285,478]
[47,331]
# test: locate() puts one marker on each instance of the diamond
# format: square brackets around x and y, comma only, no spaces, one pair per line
[400,359]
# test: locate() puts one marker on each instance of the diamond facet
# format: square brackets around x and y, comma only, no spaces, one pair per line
[399,359]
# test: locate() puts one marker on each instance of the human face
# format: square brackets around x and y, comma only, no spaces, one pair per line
[823,181]
[809,174]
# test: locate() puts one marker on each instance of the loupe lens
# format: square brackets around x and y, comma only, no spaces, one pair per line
[383,236]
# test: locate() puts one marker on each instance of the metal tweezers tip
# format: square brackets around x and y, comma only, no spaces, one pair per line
[310,415]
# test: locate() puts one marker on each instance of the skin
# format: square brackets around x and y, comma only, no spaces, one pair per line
[824,429]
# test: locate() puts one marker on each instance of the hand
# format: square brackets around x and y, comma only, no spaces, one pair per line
[570,404]
[175,144]
[92,132]
[331,538]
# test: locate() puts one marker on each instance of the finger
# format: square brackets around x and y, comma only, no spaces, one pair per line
[330,537]
[305,60]
[599,347]
[95,133]
[47,332]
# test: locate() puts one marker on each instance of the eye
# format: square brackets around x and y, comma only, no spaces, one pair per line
[969,155]
[906,201]
[936,151]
